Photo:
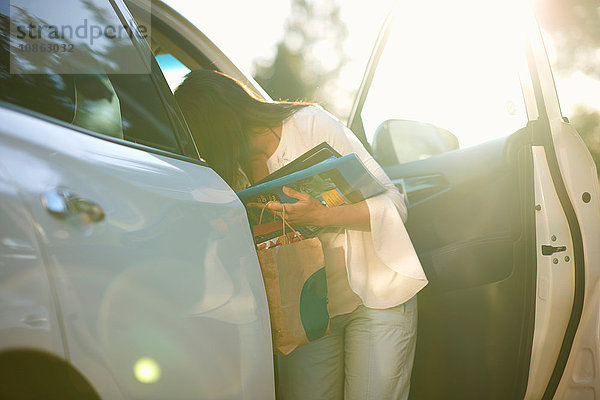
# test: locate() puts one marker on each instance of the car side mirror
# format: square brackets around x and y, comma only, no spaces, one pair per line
[399,141]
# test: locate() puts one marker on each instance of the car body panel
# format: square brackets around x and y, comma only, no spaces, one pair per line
[574,176]
[28,313]
[555,282]
[170,274]
[582,367]
[581,376]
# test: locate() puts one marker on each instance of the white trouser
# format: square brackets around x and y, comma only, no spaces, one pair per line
[367,355]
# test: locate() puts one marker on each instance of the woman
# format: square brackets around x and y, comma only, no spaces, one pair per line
[373,273]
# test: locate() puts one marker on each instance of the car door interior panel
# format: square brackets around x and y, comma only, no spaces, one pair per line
[469,212]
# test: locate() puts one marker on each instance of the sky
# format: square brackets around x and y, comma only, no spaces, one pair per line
[248,31]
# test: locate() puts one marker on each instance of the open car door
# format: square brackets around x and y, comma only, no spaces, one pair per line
[459,106]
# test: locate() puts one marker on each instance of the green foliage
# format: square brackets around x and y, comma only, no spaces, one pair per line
[587,123]
[575,29]
[310,56]
[282,80]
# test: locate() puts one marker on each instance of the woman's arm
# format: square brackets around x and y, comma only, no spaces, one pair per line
[309,211]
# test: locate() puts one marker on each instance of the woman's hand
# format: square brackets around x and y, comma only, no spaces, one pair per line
[309,211]
[306,211]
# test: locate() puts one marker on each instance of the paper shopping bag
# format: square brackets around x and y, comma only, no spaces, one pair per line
[296,286]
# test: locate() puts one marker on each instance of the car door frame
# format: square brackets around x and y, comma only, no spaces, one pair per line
[571,180]
[182,133]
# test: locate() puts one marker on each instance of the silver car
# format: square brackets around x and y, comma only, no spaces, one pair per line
[127,267]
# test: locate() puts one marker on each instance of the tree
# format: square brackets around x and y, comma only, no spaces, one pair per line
[574,26]
[575,29]
[587,123]
[309,57]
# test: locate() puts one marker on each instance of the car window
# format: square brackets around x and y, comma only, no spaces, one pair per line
[179,47]
[81,67]
[173,69]
[445,77]
[174,54]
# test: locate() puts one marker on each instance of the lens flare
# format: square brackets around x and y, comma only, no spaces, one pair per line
[146,370]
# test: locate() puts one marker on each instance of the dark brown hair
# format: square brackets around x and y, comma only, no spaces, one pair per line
[221,112]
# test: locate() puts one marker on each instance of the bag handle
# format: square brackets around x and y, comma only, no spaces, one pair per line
[275,217]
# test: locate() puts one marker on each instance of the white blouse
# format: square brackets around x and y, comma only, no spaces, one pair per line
[380,267]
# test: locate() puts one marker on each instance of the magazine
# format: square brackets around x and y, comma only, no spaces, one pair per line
[314,156]
[334,182]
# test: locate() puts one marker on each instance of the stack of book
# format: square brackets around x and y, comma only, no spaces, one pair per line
[322,173]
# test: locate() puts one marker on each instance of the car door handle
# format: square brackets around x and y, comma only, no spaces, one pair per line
[35,321]
[61,203]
